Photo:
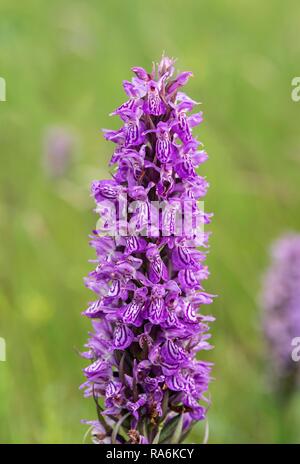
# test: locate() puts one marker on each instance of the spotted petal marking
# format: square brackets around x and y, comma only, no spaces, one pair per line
[97,367]
[131,134]
[123,337]
[176,382]
[114,289]
[133,312]
[154,104]
[94,310]
[187,279]
[105,190]
[156,310]
[190,313]
[163,150]
[172,353]
[112,388]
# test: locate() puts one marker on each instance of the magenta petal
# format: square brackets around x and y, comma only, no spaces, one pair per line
[140,73]
[180,81]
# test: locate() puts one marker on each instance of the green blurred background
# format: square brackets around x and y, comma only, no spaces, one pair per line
[63,62]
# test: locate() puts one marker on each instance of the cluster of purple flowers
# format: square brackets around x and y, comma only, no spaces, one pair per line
[281,311]
[145,378]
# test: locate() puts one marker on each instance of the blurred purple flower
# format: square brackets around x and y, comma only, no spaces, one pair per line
[59,145]
[281,310]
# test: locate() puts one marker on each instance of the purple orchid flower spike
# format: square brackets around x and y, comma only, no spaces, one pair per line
[144,374]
